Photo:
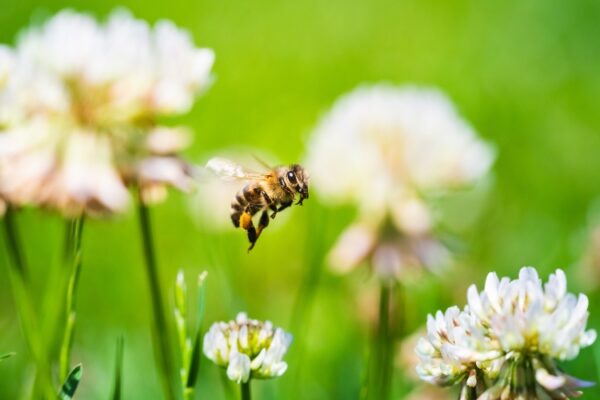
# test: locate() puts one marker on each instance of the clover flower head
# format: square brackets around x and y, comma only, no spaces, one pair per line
[79,111]
[454,348]
[6,64]
[381,146]
[383,149]
[509,338]
[526,316]
[248,348]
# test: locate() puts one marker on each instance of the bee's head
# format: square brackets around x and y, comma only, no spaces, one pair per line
[297,180]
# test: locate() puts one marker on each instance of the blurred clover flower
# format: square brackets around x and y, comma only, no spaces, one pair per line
[383,148]
[7,61]
[507,340]
[80,111]
[247,348]
[6,64]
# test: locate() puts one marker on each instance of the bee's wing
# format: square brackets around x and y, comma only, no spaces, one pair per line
[229,170]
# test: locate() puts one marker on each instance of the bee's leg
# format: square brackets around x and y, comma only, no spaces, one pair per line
[252,237]
[262,223]
[282,207]
[269,203]
[254,234]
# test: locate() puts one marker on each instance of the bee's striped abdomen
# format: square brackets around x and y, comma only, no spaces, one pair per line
[236,211]
[247,201]
[237,208]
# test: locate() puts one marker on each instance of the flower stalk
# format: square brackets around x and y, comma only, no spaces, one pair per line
[381,369]
[13,242]
[385,340]
[162,347]
[245,389]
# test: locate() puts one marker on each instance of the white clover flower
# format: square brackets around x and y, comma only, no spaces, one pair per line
[7,71]
[247,348]
[454,348]
[520,328]
[81,107]
[383,148]
[526,316]
[6,64]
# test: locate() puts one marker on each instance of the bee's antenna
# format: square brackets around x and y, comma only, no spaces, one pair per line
[261,161]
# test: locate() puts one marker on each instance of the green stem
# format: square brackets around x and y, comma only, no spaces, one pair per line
[26,311]
[118,378]
[384,341]
[245,388]
[74,257]
[161,330]
[316,245]
[13,242]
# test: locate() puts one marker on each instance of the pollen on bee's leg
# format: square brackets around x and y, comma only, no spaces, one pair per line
[245,220]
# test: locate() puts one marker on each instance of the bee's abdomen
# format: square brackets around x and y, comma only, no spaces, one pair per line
[236,211]
[249,200]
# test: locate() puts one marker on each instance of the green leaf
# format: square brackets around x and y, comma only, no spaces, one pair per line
[7,355]
[70,386]
[118,370]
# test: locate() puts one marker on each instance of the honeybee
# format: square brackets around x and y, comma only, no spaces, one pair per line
[274,190]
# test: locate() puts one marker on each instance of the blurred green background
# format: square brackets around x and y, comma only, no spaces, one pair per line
[525,73]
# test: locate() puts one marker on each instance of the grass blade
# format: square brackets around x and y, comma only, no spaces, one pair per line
[67,391]
[67,342]
[194,362]
[201,299]
[118,370]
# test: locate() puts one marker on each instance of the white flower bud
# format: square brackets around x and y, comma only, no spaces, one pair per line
[247,348]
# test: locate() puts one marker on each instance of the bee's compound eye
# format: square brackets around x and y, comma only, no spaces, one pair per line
[291,176]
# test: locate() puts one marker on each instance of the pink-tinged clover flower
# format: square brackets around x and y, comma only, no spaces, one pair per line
[80,107]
